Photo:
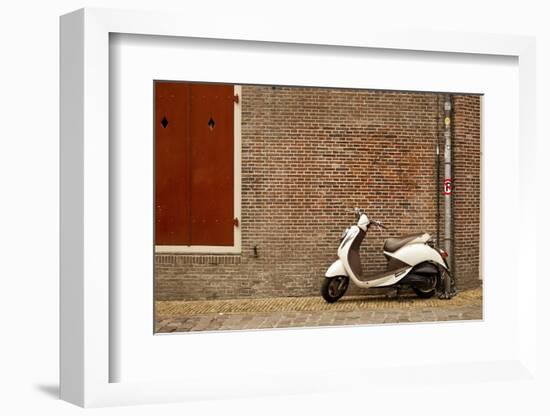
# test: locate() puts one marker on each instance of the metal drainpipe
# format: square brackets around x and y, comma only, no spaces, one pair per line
[447,192]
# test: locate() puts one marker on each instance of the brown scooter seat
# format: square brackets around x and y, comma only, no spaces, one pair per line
[394,244]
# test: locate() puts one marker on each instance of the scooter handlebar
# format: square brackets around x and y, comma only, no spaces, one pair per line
[378,224]
[358,211]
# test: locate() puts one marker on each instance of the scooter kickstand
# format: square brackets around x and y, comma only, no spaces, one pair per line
[393,293]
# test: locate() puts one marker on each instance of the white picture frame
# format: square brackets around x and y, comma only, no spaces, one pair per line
[85,217]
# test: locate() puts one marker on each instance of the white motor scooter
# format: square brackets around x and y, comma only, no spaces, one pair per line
[413,261]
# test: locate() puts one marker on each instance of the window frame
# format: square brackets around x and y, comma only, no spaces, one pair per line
[236,247]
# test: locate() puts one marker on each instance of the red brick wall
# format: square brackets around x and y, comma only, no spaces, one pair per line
[466,188]
[309,155]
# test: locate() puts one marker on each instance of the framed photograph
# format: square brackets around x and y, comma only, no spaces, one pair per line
[252,215]
[255,183]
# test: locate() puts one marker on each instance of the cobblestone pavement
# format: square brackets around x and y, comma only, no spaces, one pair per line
[234,314]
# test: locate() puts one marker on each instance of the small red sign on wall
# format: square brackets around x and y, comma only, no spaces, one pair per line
[447,186]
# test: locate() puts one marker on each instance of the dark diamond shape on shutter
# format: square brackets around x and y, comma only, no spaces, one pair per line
[164,122]
[211,123]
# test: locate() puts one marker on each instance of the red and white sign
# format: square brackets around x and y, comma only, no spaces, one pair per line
[447,186]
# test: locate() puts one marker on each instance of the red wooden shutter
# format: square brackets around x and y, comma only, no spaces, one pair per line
[172,165]
[194,164]
[211,138]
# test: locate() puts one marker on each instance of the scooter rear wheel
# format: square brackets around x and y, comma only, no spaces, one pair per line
[424,294]
[333,288]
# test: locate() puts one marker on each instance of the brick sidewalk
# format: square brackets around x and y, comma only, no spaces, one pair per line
[185,316]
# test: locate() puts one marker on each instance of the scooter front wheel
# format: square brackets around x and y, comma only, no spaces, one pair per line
[333,288]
